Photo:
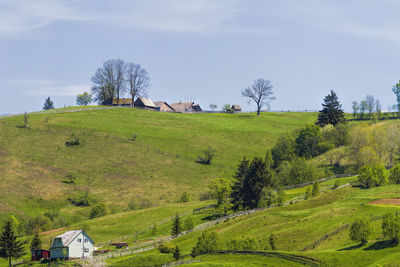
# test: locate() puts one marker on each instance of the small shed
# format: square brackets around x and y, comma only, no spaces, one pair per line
[236,108]
[40,254]
[73,244]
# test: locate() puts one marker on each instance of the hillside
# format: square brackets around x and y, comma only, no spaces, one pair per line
[155,168]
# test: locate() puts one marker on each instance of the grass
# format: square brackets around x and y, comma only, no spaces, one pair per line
[159,165]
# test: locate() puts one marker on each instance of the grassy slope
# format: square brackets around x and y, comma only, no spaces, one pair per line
[298,225]
[158,165]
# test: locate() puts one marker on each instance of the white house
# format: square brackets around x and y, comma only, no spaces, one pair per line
[72,244]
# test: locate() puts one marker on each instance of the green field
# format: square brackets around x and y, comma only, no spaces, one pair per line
[158,166]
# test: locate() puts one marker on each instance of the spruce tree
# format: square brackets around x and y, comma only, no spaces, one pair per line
[48,104]
[332,112]
[176,225]
[10,247]
[237,188]
[177,253]
[36,243]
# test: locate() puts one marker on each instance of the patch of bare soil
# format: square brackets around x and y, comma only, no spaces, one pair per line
[386,201]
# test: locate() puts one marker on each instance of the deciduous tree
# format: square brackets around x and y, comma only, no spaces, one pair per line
[138,80]
[84,99]
[260,92]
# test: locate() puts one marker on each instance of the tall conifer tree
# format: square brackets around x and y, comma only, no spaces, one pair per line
[10,247]
[332,112]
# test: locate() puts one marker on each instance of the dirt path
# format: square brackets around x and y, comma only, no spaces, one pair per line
[386,201]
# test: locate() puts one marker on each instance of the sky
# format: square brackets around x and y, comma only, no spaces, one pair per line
[203,50]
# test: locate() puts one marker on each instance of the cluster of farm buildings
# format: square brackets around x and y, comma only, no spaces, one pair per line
[146,103]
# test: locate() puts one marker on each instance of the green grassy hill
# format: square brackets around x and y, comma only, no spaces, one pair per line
[157,167]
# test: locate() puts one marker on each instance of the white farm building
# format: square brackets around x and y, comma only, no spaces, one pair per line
[72,244]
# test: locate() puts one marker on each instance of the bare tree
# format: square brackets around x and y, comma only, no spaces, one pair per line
[370,104]
[138,80]
[109,81]
[260,92]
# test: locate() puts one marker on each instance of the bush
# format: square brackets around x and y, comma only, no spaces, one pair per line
[336,184]
[395,174]
[70,178]
[391,227]
[307,195]
[324,147]
[206,196]
[209,155]
[315,189]
[185,197]
[72,141]
[207,243]
[82,199]
[189,224]
[361,230]
[98,211]
[371,176]
[166,247]
[272,241]
[243,243]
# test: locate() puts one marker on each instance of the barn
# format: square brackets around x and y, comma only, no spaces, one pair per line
[73,244]
[186,107]
[163,106]
[145,103]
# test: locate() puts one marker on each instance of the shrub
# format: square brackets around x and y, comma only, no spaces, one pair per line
[176,225]
[207,243]
[395,174]
[371,176]
[272,241]
[206,196]
[315,189]
[243,243]
[177,253]
[391,227]
[361,230]
[72,141]
[70,178]
[98,211]
[166,247]
[307,195]
[185,197]
[209,155]
[82,199]
[336,184]
[189,224]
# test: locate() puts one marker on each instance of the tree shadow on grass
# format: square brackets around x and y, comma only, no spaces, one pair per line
[381,245]
[352,247]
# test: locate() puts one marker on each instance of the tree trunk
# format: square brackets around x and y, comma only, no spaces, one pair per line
[9,261]
[133,98]
[258,111]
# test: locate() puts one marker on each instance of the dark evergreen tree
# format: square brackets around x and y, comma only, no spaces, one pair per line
[177,253]
[48,104]
[237,188]
[36,243]
[10,247]
[258,177]
[176,225]
[332,112]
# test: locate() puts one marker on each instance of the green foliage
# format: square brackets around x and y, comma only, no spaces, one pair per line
[185,197]
[207,243]
[154,230]
[280,196]
[10,247]
[391,227]
[221,189]
[227,108]
[34,224]
[82,199]
[336,184]
[307,141]
[48,104]
[371,176]
[315,189]
[332,112]
[259,176]
[177,253]
[396,92]
[361,230]
[70,178]
[272,241]
[307,195]
[84,99]
[166,247]
[176,225]
[298,171]
[242,243]
[395,174]
[269,198]
[73,140]
[284,150]
[98,210]
[237,193]
[36,243]
[189,224]
[208,156]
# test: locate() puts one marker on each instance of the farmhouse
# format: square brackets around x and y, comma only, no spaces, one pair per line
[145,103]
[71,245]
[124,102]
[186,107]
[236,108]
[163,106]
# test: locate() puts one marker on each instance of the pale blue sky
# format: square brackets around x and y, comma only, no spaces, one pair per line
[207,49]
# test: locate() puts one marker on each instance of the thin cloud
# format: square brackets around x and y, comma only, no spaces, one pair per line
[51,87]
